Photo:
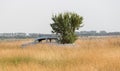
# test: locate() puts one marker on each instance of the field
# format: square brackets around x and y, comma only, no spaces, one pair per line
[88,54]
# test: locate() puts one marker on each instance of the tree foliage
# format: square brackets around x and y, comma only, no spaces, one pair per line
[65,25]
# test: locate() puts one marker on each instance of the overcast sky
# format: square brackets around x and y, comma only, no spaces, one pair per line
[34,16]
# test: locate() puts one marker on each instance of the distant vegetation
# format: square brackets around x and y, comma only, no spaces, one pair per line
[35,35]
[18,35]
[94,33]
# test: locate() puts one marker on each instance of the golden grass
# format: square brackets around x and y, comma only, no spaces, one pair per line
[87,54]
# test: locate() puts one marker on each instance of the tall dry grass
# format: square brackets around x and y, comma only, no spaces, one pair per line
[88,54]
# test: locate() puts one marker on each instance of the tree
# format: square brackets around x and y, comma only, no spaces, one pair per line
[65,25]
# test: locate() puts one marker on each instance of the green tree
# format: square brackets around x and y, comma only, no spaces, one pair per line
[65,25]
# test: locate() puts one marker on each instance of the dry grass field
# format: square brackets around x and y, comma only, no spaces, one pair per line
[88,54]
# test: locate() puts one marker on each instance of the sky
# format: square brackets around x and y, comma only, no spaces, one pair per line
[34,16]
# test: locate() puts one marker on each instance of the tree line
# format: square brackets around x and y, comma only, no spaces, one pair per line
[35,35]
